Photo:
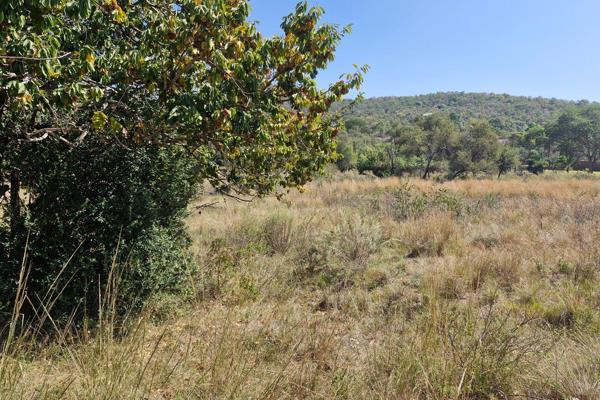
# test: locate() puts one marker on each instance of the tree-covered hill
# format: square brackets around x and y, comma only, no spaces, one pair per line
[469,133]
[506,113]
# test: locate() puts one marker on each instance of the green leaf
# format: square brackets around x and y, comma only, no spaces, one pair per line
[115,126]
[16,88]
[99,120]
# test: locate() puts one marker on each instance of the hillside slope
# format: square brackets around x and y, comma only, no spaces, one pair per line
[506,113]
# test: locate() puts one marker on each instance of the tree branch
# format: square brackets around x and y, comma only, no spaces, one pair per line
[5,57]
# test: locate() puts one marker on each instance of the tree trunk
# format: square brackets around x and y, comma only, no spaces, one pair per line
[426,172]
[457,174]
[15,201]
[14,212]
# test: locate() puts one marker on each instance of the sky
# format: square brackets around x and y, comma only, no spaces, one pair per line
[548,48]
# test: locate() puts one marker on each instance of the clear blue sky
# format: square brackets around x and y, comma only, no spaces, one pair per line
[547,48]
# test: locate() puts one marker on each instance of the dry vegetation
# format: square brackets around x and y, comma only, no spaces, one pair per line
[360,289]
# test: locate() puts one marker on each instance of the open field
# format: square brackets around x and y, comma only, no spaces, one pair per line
[361,289]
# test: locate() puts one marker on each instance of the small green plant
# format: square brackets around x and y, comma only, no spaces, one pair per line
[160,264]
[409,202]
[564,267]
[559,316]
[450,201]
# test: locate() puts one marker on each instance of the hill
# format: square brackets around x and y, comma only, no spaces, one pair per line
[505,112]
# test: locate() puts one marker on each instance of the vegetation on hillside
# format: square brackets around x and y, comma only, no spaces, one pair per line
[447,144]
[505,113]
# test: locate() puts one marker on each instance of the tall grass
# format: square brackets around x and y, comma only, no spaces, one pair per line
[357,289]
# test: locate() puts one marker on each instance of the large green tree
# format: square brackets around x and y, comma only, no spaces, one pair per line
[438,135]
[536,148]
[146,85]
[564,133]
[576,134]
[590,137]
[477,151]
[408,142]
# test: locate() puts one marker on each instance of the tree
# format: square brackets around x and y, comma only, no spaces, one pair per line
[565,135]
[534,138]
[576,135]
[155,84]
[347,158]
[439,135]
[374,158]
[590,138]
[477,150]
[536,162]
[356,125]
[406,142]
[506,113]
[536,147]
[508,159]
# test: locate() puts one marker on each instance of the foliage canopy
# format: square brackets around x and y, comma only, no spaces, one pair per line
[105,103]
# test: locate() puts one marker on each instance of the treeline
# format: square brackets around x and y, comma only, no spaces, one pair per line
[440,143]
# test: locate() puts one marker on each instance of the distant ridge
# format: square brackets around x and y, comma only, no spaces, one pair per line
[505,112]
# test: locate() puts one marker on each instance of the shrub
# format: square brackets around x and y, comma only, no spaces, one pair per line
[409,202]
[559,316]
[354,238]
[159,264]
[107,149]
[95,208]
[374,278]
[450,201]
[278,232]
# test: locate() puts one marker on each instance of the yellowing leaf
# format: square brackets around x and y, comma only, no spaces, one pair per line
[119,16]
[26,99]
[90,59]
[99,120]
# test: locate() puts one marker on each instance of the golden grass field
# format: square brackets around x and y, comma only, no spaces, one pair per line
[361,288]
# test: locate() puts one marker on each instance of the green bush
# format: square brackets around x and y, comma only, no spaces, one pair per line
[95,208]
[159,264]
[410,202]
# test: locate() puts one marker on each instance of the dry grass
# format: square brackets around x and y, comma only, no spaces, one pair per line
[362,289]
